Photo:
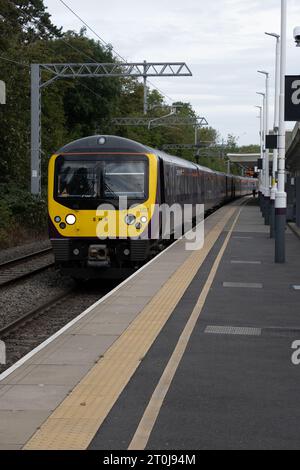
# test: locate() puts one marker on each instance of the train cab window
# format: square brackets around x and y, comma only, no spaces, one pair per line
[77,180]
[85,182]
[126,179]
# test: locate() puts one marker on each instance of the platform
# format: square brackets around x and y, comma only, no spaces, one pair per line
[192,352]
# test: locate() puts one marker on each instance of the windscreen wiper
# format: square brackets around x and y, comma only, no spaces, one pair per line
[107,187]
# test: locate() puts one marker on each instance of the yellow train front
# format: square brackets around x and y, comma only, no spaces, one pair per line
[102,195]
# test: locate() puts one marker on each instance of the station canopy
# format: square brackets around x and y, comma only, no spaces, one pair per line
[249,161]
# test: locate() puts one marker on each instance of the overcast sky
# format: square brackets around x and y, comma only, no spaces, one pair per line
[222,41]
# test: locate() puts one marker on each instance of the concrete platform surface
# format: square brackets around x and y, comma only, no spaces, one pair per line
[194,352]
[45,378]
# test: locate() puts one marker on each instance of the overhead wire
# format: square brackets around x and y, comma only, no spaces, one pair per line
[69,45]
[107,44]
[14,61]
[82,52]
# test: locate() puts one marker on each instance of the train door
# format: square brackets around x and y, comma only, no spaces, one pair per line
[226,187]
[233,188]
[161,183]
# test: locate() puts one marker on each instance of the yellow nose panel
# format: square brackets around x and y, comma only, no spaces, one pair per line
[103,223]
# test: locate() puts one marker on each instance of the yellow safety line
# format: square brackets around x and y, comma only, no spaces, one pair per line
[145,427]
[77,419]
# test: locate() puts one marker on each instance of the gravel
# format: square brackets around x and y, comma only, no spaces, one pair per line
[21,297]
[18,251]
[28,336]
[25,295]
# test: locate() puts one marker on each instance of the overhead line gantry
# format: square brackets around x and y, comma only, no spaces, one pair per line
[86,70]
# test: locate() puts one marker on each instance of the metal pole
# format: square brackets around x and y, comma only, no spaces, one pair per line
[263,197]
[281,197]
[276,123]
[262,158]
[266,153]
[145,89]
[261,153]
[197,155]
[267,157]
[35,130]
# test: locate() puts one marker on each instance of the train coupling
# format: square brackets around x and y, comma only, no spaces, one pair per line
[98,256]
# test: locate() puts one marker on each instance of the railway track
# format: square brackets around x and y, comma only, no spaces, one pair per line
[34,313]
[25,266]
[35,326]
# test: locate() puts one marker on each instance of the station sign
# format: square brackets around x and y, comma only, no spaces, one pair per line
[292,98]
[2,92]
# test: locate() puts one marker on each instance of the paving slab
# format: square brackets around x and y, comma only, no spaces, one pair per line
[80,349]
[16,427]
[114,329]
[33,397]
[11,446]
[49,374]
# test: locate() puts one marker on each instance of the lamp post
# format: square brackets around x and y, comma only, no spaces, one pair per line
[276,125]
[266,151]
[281,198]
[261,150]
[263,144]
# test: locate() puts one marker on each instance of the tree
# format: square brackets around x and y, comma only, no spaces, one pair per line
[249,149]
[231,143]
[209,135]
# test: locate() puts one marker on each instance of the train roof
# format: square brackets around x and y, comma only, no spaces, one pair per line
[111,143]
[104,143]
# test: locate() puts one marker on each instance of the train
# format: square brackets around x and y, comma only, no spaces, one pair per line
[104,193]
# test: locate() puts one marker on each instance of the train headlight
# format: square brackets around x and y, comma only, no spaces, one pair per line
[70,219]
[144,219]
[101,140]
[130,219]
[57,219]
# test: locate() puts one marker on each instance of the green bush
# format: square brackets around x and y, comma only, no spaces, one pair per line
[22,215]
[6,222]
